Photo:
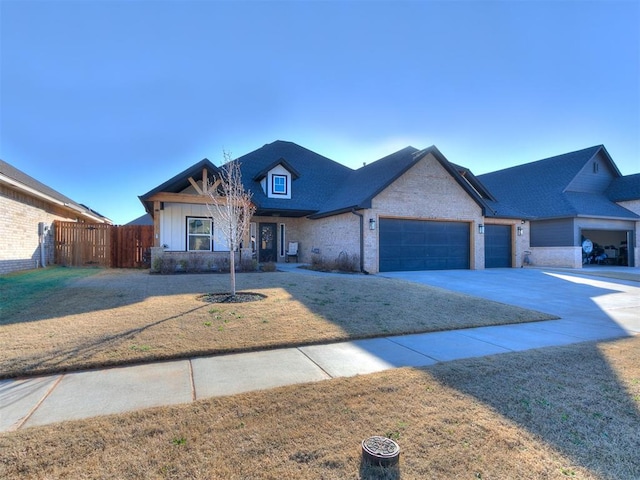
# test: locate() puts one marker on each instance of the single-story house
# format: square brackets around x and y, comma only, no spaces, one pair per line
[27,211]
[411,210]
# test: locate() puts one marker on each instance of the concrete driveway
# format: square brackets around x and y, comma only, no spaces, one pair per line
[586,299]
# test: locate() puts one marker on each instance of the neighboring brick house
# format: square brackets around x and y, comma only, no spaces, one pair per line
[27,211]
[412,210]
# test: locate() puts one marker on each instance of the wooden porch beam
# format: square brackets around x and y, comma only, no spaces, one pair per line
[195,185]
[156,223]
[205,180]
[214,186]
[180,198]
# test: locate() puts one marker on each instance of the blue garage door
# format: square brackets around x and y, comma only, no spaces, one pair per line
[410,245]
[497,246]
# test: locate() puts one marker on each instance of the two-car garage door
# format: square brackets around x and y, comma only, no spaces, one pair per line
[411,245]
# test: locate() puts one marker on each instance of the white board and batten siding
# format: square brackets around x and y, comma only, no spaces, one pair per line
[173,226]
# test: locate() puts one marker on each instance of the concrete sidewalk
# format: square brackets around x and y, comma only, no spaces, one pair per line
[590,307]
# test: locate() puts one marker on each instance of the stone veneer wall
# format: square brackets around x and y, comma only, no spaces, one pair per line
[208,261]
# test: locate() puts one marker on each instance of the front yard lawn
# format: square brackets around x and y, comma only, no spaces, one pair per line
[114,317]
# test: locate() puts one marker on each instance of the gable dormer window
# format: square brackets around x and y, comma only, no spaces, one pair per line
[278,182]
[279,185]
[276,179]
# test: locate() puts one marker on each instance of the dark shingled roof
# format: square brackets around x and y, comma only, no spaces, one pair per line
[624,189]
[538,189]
[317,180]
[357,189]
[368,181]
[20,177]
[145,219]
[322,187]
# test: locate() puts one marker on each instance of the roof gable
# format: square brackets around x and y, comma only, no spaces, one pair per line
[180,182]
[281,161]
[595,175]
[364,184]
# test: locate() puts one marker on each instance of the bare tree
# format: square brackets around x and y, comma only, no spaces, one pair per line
[231,206]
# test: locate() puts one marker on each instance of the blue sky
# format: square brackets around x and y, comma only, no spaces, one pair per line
[105,100]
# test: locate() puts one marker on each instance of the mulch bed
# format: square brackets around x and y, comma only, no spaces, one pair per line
[239,297]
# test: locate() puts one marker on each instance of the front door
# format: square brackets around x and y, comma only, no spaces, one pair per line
[268,248]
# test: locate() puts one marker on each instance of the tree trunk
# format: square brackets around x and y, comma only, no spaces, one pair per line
[232,271]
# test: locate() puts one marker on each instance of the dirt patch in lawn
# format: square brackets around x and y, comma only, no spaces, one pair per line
[117,317]
[562,412]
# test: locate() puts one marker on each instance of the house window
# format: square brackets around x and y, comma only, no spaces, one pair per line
[199,234]
[279,185]
[595,167]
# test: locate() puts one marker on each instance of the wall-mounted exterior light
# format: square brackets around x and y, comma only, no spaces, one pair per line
[481,229]
[520,230]
[372,224]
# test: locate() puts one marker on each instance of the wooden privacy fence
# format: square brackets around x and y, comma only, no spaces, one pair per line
[86,244]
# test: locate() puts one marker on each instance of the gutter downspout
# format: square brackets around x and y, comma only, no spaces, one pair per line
[353,210]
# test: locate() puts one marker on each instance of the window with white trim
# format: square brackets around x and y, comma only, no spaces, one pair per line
[279,185]
[199,234]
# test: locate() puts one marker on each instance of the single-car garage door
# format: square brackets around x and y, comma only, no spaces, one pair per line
[407,245]
[497,246]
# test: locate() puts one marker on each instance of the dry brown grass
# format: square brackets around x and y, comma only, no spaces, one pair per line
[118,316]
[555,413]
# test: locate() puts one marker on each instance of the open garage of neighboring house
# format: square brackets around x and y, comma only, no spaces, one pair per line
[412,245]
[607,247]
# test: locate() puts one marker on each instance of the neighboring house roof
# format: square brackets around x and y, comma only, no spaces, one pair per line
[624,189]
[540,189]
[145,219]
[20,180]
